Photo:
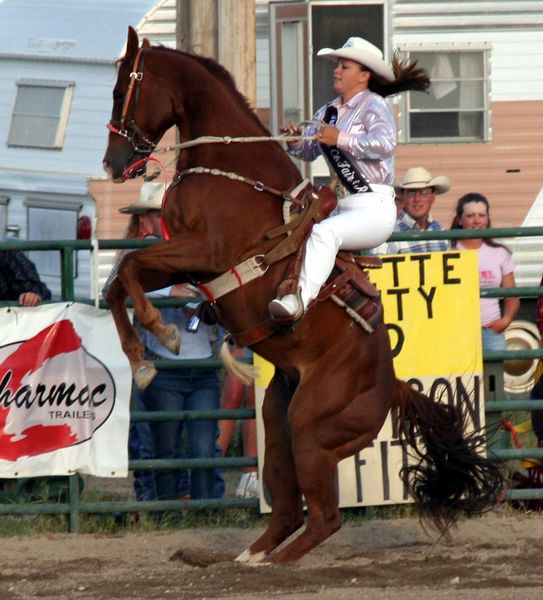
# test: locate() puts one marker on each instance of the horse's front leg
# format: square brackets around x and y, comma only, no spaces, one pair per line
[154,268]
[130,341]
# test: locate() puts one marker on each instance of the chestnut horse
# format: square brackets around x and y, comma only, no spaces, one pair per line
[334,382]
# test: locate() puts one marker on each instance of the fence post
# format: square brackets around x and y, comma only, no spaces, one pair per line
[75,502]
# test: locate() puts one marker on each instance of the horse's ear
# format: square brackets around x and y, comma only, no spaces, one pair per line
[132,41]
[145,43]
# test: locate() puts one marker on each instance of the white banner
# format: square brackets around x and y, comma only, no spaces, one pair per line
[64,392]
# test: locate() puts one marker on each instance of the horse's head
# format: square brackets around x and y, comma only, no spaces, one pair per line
[139,117]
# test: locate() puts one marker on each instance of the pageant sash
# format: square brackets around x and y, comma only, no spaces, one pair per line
[350,177]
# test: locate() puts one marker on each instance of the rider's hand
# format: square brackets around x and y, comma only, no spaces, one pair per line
[290,128]
[328,135]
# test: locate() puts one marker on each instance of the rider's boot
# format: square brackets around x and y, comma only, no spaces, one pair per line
[290,306]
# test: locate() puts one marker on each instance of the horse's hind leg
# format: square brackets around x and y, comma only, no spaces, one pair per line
[318,481]
[279,473]
[329,421]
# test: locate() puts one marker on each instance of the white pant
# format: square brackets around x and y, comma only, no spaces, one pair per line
[364,221]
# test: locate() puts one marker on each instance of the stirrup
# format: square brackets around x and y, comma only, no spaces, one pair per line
[280,313]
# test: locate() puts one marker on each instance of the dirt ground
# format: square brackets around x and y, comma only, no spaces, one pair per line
[497,557]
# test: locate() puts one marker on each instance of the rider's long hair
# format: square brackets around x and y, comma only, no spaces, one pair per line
[407,76]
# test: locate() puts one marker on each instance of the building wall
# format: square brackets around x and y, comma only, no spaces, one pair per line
[86,134]
[508,170]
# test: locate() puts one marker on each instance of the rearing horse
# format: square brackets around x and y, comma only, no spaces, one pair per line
[334,383]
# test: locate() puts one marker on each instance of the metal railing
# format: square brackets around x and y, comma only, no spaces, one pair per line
[495,401]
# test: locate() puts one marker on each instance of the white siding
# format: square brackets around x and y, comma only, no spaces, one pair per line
[86,133]
[514,30]
[160,25]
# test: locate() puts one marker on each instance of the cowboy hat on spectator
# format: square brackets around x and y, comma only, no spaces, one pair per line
[151,195]
[418,177]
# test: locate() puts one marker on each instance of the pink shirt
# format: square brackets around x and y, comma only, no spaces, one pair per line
[494,263]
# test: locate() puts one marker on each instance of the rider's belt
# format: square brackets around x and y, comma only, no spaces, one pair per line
[352,201]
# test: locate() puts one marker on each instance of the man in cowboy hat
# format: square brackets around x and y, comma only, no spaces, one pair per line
[178,389]
[418,189]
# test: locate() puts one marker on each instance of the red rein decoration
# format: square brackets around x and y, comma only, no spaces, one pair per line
[130,173]
[131,170]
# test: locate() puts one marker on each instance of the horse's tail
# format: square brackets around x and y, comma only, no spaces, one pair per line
[451,475]
[244,372]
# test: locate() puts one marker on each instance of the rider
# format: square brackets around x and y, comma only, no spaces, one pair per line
[357,135]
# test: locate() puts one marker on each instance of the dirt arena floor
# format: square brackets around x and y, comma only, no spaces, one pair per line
[497,557]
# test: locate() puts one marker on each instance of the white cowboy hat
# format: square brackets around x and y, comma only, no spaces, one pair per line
[151,195]
[363,52]
[418,177]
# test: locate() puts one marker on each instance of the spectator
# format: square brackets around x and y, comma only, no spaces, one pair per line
[183,389]
[398,200]
[234,395]
[143,223]
[496,268]
[357,135]
[19,280]
[418,189]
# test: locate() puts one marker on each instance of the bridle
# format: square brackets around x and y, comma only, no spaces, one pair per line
[144,146]
[127,126]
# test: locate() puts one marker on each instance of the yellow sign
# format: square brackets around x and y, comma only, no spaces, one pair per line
[431,304]
[431,310]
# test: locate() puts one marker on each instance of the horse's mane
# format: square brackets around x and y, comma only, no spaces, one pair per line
[217,70]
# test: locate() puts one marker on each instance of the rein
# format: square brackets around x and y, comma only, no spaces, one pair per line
[256,185]
[226,139]
[207,139]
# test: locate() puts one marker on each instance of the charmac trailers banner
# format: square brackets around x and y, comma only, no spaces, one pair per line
[431,307]
[64,392]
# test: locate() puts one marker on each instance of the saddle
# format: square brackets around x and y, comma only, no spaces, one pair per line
[349,287]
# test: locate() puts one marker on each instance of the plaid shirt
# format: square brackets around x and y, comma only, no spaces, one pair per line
[406,223]
[18,275]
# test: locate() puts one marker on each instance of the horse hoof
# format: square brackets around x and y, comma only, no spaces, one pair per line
[171,339]
[145,374]
[254,559]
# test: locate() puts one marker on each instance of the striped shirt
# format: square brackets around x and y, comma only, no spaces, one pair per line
[406,223]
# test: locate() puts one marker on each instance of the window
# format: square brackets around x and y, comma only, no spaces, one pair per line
[41,113]
[331,24]
[457,107]
[48,220]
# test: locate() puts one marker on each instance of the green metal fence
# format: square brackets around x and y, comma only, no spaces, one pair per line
[495,401]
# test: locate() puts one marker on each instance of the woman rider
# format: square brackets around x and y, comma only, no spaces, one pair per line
[357,135]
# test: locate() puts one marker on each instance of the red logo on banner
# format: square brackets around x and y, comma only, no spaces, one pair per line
[53,393]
